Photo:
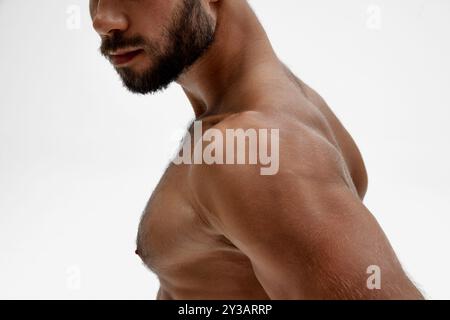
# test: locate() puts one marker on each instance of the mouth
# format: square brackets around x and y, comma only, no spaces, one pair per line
[121,58]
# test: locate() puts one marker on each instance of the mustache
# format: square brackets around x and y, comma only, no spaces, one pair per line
[118,41]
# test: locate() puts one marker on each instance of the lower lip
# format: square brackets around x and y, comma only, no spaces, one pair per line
[122,59]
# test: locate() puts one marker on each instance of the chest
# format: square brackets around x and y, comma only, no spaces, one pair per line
[171,232]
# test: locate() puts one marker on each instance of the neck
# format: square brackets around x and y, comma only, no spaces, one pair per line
[240,56]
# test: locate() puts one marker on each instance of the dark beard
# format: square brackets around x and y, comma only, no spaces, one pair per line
[188,38]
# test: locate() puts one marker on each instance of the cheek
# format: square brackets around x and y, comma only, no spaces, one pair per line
[149,18]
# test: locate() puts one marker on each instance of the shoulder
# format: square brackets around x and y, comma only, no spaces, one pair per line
[296,156]
[299,146]
[244,119]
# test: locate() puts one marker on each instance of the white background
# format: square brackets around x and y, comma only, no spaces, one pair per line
[80,155]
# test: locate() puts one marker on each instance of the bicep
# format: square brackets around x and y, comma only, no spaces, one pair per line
[310,244]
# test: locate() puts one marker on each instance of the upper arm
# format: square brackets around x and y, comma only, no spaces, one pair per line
[305,231]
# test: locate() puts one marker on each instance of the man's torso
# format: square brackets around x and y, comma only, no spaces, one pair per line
[194,261]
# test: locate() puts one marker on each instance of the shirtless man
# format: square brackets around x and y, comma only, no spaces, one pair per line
[226,231]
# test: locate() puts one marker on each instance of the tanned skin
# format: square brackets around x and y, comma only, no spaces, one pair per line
[228,232]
